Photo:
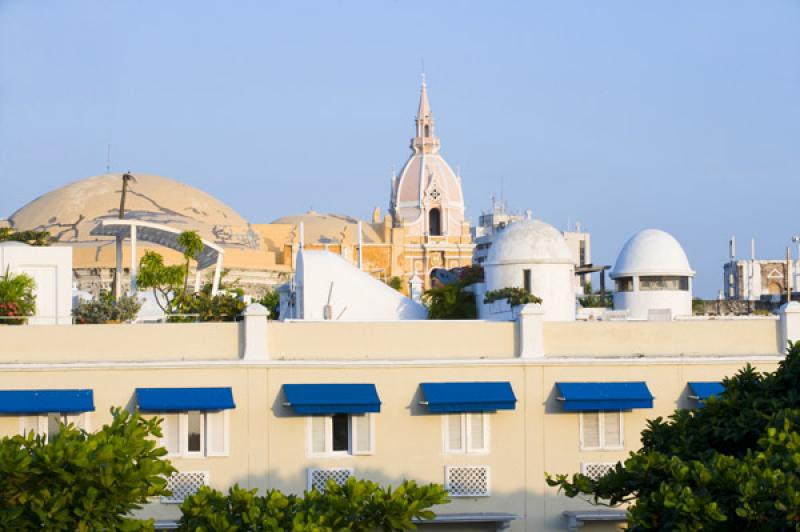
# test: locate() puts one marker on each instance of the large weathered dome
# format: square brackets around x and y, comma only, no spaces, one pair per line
[321,228]
[72,211]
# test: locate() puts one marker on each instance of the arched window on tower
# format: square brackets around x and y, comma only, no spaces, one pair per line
[427,130]
[435,222]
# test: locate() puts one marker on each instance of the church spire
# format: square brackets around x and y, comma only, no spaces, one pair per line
[424,110]
[425,141]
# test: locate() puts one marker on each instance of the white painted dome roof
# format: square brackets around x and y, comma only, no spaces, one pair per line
[652,251]
[529,242]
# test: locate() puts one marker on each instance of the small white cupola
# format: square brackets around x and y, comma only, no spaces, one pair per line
[653,278]
[533,255]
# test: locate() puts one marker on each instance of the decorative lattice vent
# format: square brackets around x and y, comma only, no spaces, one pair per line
[318,478]
[183,484]
[467,481]
[595,470]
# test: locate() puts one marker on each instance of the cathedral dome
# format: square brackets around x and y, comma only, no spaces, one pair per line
[320,228]
[427,195]
[69,213]
[652,251]
[530,242]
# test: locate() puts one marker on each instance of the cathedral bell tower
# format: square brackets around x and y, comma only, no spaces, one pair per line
[427,202]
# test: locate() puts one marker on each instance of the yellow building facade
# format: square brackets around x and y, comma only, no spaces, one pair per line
[494,461]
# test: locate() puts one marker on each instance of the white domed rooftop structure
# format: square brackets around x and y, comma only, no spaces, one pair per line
[70,213]
[653,277]
[532,255]
[530,241]
[652,251]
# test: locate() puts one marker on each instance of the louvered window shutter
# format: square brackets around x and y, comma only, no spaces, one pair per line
[476,432]
[612,427]
[590,430]
[361,429]
[455,439]
[29,423]
[318,430]
[172,437]
[216,433]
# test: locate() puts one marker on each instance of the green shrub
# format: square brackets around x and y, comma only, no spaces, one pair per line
[105,309]
[33,238]
[272,301]
[82,481]
[16,297]
[515,296]
[358,505]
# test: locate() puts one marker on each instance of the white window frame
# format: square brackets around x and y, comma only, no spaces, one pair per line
[205,435]
[351,437]
[601,422]
[466,433]
[42,422]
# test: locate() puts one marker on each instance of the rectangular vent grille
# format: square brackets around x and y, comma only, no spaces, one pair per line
[595,470]
[183,484]
[467,481]
[318,478]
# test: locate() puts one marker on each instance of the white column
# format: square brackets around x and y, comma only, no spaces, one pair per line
[118,277]
[415,288]
[134,270]
[790,324]
[217,275]
[197,280]
[530,324]
[255,332]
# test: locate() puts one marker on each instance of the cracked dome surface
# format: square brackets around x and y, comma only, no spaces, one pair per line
[69,213]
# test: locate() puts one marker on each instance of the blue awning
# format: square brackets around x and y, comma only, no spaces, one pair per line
[703,390]
[447,397]
[44,401]
[182,399]
[309,399]
[595,396]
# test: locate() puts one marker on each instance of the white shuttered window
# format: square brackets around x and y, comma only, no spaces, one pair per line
[466,433]
[196,434]
[341,434]
[50,424]
[601,431]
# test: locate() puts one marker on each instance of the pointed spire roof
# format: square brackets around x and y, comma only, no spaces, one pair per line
[424,106]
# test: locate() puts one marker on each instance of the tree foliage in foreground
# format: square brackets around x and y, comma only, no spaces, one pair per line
[82,481]
[733,464]
[358,505]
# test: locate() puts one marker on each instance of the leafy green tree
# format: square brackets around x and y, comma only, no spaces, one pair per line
[16,297]
[732,464]
[358,505]
[450,302]
[81,481]
[191,245]
[165,281]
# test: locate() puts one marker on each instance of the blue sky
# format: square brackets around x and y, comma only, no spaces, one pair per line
[681,115]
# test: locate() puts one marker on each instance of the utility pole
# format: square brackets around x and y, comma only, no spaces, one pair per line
[126,178]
